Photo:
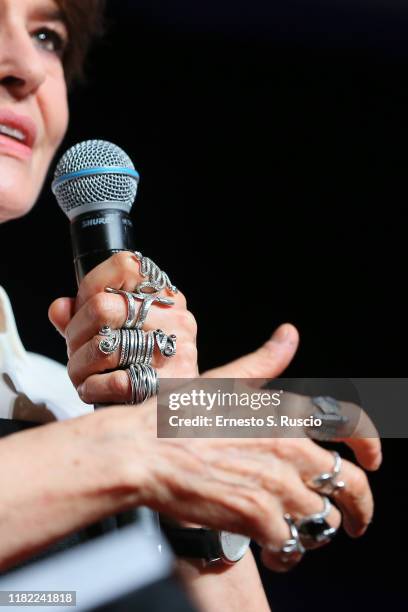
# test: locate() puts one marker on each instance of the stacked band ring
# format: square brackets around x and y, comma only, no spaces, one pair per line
[136,346]
[144,382]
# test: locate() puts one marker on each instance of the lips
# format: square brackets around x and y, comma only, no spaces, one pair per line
[19,123]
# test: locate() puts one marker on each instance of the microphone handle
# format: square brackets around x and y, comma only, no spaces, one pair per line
[97,235]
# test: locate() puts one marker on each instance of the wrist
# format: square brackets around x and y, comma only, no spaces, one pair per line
[123,440]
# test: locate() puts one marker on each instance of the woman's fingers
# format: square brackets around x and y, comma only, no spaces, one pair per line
[279,478]
[312,461]
[110,309]
[80,322]
[61,312]
[363,439]
[229,488]
[89,360]
[269,361]
[278,562]
[121,271]
[365,442]
[113,388]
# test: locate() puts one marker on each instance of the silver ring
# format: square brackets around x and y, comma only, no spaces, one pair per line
[148,269]
[122,348]
[293,545]
[131,305]
[329,412]
[137,347]
[110,340]
[327,482]
[147,300]
[124,354]
[144,382]
[167,344]
[150,348]
[143,312]
[314,529]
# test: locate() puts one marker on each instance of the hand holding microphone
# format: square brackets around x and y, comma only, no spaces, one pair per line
[121,293]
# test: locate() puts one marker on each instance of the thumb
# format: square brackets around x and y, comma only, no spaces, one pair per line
[61,312]
[269,361]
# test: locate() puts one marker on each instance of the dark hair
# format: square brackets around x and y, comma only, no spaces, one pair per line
[84,19]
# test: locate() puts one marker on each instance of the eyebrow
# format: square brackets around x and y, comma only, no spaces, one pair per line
[50,14]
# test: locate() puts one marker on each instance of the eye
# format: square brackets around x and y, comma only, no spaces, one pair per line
[50,40]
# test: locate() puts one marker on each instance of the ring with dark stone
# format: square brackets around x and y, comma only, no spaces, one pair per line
[314,529]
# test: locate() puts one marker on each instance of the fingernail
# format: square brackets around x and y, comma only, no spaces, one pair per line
[80,390]
[281,334]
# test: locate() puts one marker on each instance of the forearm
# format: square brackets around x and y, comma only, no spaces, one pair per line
[232,588]
[54,480]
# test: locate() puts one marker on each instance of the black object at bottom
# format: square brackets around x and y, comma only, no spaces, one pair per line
[194,543]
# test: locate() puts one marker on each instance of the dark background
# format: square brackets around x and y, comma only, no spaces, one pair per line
[271,142]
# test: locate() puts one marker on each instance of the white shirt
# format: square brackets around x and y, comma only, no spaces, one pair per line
[32,387]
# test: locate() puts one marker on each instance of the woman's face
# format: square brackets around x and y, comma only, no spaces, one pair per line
[33,99]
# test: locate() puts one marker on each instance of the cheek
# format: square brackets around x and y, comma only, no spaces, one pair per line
[53,106]
[53,102]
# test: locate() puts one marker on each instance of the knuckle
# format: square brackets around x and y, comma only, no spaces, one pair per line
[181,299]
[71,372]
[186,321]
[120,259]
[274,482]
[126,263]
[285,447]
[98,306]
[119,384]
[278,446]
[258,511]
[358,483]
[187,356]
[180,317]
[85,393]
[93,353]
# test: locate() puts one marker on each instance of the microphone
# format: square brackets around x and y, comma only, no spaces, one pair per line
[95,184]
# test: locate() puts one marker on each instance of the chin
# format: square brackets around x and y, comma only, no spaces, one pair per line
[15,212]
[19,189]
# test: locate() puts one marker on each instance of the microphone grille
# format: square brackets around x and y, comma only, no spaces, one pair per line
[93,175]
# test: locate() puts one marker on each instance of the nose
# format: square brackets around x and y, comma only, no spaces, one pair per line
[22,70]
